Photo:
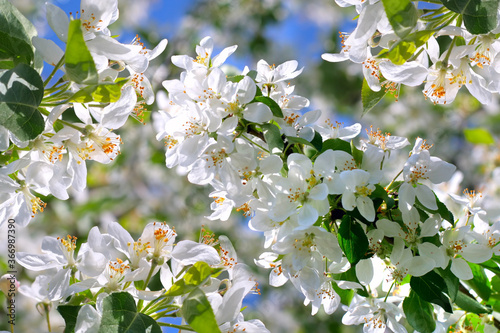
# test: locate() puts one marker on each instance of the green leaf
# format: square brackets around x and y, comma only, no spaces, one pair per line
[119,315]
[336,144]
[275,108]
[442,210]
[419,313]
[452,282]
[431,287]
[198,313]
[69,314]
[402,16]
[369,97]
[356,154]
[80,66]
[273,138]
[346,295]
[480,16]
[352,240]
[235,78]
[403,50]
[317,141]
[194,277]
[480,282]
[470,305]
[295,140]
[102,93]
[16,32]
[478,136]
[381,193]
[21,92]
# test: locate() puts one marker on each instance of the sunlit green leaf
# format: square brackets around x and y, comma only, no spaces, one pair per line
[80,66]
[194,277]
[479,136]
[402,16]
[198,313]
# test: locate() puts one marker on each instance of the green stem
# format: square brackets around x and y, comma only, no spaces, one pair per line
[54,71]
[159,315]
[184,328]
[47,317]
[150,274]
[394,179]
[389,291]
[448,54]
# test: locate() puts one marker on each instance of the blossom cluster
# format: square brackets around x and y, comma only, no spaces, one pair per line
[54,162]
[113,262]
[408,53]
[334,223]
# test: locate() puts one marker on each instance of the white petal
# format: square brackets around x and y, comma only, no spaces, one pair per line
[189,252]
[461,269]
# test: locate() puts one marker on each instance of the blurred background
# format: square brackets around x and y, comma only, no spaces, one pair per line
[137,188]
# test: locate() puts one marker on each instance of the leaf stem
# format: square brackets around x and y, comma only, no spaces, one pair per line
[180,327]
[389,291]
[54,71]
[150,274]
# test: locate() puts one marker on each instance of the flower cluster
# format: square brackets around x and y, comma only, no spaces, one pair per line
[334,223]
[113,264]
[103,84]
[394,52]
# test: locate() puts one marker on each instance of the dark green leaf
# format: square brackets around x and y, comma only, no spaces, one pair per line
[431,288]
[419,313]
[275,108]
[478,136]
[194,277]
[402,16]
[273,137]
[356,154]
[352,240]
[69,313]
[317,141]
[381,193]
[442,210]
[369,97]
[198,313]
[16,32]
[480,282]
[295,140]
[470,305]
[119,315]
[80,66]
[336,144]
[452,282]
[480,16]
[21,92]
